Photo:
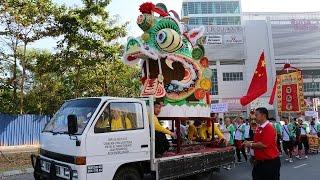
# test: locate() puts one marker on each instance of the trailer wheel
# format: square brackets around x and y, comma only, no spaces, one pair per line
[127,173]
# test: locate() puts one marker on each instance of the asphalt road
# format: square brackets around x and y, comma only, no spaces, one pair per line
[306,169]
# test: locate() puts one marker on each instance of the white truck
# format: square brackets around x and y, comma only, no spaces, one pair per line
[81,142]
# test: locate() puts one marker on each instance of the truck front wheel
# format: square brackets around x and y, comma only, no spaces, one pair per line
[127,173]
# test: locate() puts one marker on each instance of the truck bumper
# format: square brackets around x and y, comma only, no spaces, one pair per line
[39,174]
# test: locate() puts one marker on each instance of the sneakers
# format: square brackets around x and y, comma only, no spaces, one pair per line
[287,159]
[290,160]
[306,157]
[227,167]
[299,157]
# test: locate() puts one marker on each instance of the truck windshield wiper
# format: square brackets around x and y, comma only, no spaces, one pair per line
[57,132]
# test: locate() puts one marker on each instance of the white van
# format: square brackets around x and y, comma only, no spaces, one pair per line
[82,142]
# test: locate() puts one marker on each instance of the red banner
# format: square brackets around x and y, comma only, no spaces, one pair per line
[290,92]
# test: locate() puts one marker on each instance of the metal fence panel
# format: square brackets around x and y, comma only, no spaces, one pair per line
[21,129]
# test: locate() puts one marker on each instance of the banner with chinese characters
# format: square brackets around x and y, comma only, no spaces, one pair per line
[290,92]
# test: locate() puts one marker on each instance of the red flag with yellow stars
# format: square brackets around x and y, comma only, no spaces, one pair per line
[259,82]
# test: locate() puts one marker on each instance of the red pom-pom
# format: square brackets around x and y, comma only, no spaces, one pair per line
[286,66]
[147,7]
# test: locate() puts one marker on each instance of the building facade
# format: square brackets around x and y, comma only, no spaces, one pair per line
[234,47]
[225,47]
[212,12]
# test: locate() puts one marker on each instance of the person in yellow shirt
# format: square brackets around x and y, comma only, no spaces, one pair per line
[116,121]
[161,142]
[192,130]
[205,131]
[128,123]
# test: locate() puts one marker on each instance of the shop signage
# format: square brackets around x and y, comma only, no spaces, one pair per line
[305,24]
[233,39]
[313,114]
[213,39]
[219,108]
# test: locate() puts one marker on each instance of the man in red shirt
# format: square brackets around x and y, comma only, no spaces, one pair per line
[267,162]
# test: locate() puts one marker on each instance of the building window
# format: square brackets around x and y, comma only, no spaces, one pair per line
[232,76]
[191,8]
[197,8]
[205,21]
[215,101]
[311,87]
[214,79]
[223,7]
[204,8]
[185,9]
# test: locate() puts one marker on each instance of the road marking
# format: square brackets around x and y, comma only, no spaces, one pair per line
[299,166]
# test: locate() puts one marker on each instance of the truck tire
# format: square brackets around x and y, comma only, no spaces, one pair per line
[127,173]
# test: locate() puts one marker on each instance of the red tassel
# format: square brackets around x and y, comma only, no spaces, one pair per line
[147,7]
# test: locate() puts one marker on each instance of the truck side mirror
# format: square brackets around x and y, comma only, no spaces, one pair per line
[72,124]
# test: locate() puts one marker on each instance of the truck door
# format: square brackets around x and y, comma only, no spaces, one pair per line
[120,135]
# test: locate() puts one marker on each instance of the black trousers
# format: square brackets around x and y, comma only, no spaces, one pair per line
[240,149]
[278,143]
[304,141]
[161,143]
[288,147]
[266,170]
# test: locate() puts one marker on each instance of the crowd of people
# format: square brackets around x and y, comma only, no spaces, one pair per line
[292,135]
[260,138]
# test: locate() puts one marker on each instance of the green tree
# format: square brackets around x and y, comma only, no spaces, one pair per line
[86,63]
[25,21]
[89,39]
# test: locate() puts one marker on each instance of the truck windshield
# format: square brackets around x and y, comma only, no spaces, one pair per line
[82,108]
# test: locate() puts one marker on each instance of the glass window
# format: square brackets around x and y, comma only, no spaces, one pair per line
[210,8]
[197,8]
[311,87]
[204,8]
[82,108]
[198,21]
[212,21]
[232,76]
[217,7]
[185,9]
[226,7]
[205,21]
[191,8]
[236,7]
[120,116]
[214,79]
[192,21]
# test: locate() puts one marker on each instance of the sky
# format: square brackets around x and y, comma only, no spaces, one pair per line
[128,10]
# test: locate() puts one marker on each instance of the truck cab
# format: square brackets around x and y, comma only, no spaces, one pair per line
[109,138]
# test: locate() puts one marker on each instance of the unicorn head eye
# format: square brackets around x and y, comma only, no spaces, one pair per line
[169,40]
[161,37]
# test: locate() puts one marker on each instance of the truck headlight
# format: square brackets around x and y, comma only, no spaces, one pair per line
[66,172]
[75,174]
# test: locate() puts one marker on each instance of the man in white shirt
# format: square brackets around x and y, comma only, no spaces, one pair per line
[239,139]
[247,133]
[288,136]
[304,128]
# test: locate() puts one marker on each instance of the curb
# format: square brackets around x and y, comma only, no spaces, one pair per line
[16,172]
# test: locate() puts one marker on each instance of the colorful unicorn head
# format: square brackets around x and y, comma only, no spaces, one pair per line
[172,59]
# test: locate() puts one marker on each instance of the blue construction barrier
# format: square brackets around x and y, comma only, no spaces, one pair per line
[21,129]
